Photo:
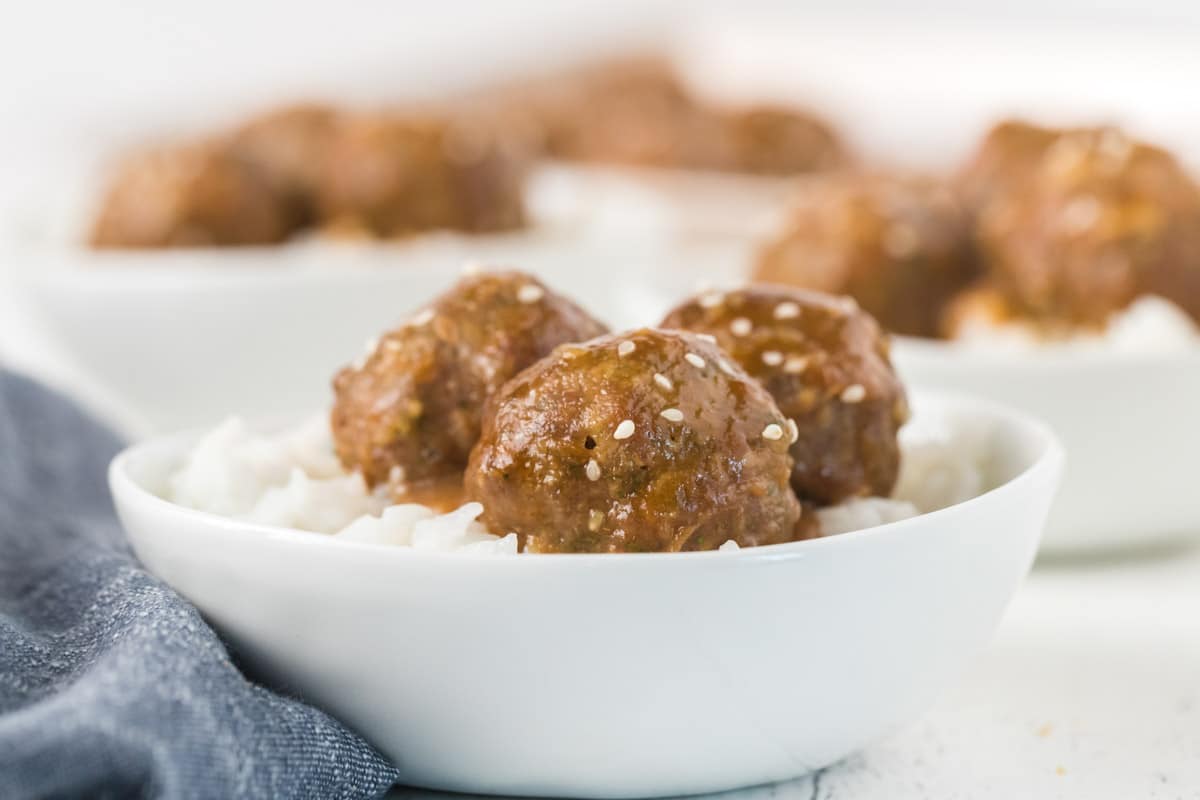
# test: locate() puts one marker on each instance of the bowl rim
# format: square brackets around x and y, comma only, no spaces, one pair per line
[75,266]
[950,355]
[1046,466]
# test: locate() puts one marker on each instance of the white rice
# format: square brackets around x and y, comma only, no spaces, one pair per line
[1151,325]
[292,479]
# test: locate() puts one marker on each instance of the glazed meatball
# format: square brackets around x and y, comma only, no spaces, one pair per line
[1102,220]
[190,196]
[631,111]
[1009,153]
[778,141]
[410,412]
[287,147]
[650,441]
[900,246]
[638,112]
[394,175]
[826,364]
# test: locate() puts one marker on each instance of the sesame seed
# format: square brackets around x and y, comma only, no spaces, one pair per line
[854,393]
[625,348]
[726,367]
[396,474]
[371,346]
[772,358]
[788,310]
[773,432]
[392,345]
[595,520]
[793,431]
[470,268]
[423,317]
[672,414]
[663,381]
[530,293]
[695,360]
[795,365]
[592,469]
[710,299]
[741,326]
[624,430]
[707,337]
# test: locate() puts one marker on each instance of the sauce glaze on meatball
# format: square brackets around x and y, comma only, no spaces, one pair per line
[411,411]
[901,246]
[647,441]
[826,363]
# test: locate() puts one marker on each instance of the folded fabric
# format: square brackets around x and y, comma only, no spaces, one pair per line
[111,685]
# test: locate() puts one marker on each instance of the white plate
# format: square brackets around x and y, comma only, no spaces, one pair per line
[614,675]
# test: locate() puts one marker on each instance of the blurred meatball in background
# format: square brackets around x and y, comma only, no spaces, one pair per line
[193,195]
[900,246]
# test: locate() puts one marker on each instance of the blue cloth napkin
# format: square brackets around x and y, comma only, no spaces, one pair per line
[110,684]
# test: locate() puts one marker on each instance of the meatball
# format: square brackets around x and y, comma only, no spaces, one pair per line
[631,111]
[410,412]
[1007,156]
[648,441]
[189,196]
[826,364]
[637,111]
[287,147]
[1102,220]
[900,246]
[778,141]
[394,175]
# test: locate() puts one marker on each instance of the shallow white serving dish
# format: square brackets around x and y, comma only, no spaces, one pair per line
[608,199]
[181,337]
[1128,421]
[614,675]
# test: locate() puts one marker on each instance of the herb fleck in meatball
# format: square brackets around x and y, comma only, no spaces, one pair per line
[394,175]
[1100,221]
[826,364]
[411,411]
[649,441]
[190,196]
[287,147]
[900,246]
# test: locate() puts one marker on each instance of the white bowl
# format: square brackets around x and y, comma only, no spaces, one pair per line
[182,337]
[613,675]
[1128,422]
[657,201]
